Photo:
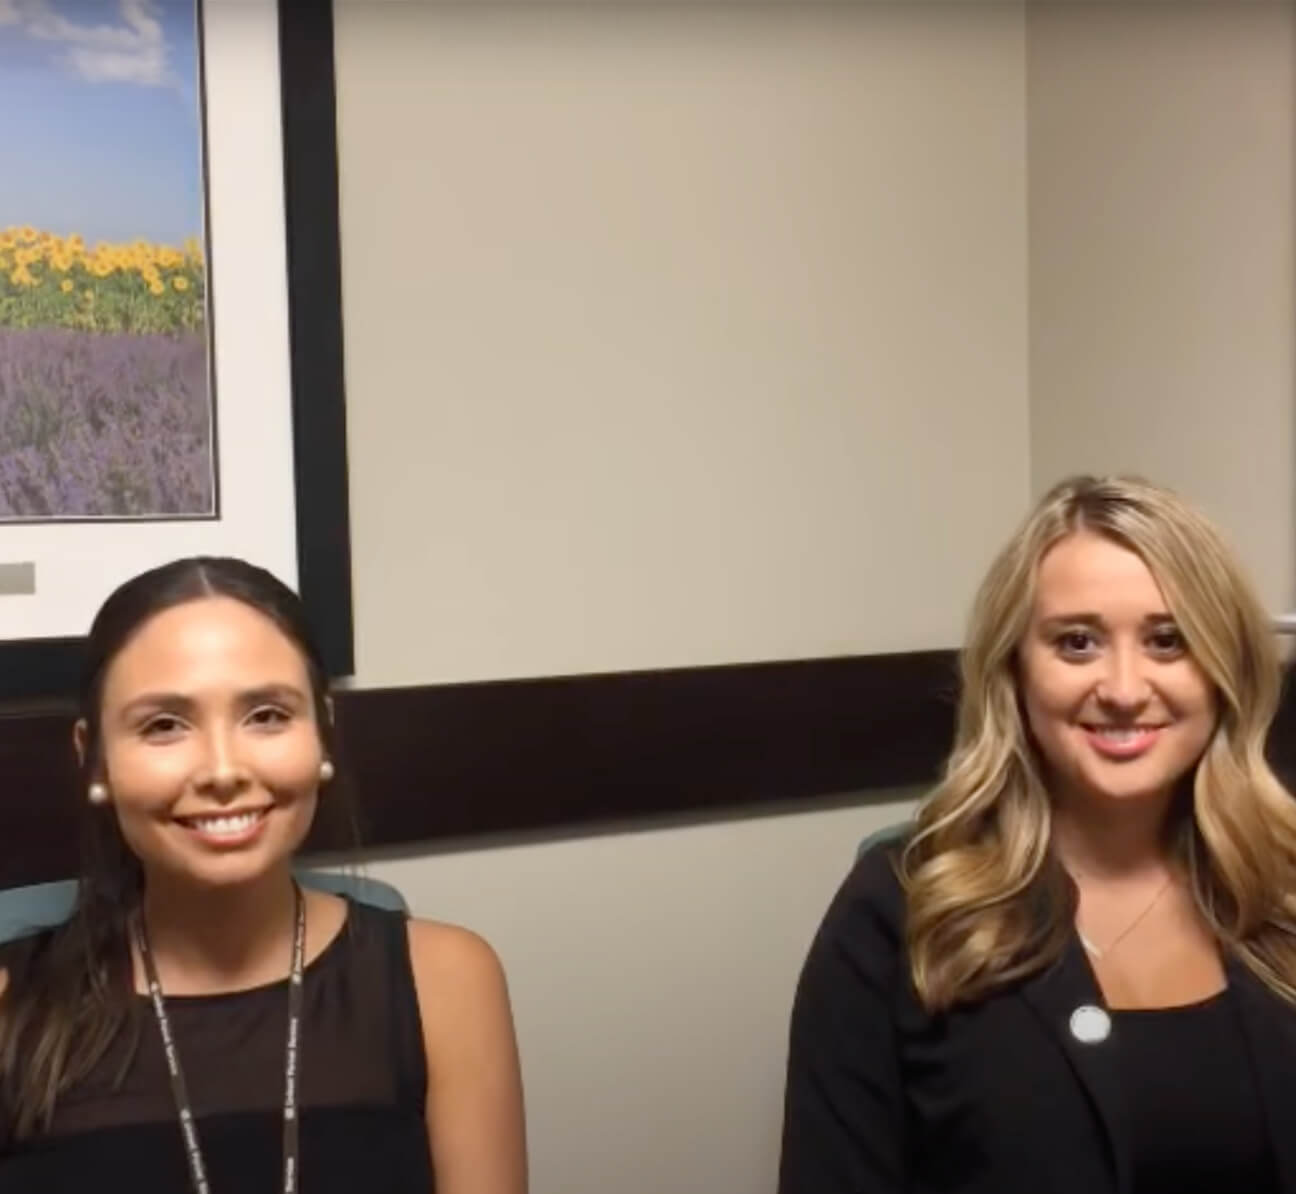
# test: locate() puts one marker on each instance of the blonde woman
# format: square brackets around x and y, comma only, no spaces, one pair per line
[1077,971]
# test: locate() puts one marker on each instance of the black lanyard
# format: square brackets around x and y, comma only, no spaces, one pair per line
[188,1128]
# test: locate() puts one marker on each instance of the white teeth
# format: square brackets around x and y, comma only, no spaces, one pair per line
[1122,733]
[226,826]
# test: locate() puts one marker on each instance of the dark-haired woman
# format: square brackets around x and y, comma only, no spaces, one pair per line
[202,1022]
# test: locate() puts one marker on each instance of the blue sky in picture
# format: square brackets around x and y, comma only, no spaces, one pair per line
[99,121]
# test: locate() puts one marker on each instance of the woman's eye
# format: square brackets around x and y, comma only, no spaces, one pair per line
[1167,641]
[268,716]
[1075,642]
[163,726]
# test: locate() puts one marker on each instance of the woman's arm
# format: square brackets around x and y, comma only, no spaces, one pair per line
[474,1113]
[843,1125]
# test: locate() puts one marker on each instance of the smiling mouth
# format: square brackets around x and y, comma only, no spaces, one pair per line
[229,826]
[1122,733]
[1122,742]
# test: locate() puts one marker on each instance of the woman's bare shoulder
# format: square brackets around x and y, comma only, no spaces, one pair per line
[451,958]
[463,998]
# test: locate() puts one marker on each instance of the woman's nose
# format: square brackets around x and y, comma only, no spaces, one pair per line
[1124,684]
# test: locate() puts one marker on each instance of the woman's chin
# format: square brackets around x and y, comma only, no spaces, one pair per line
[225,868]
[1131,785]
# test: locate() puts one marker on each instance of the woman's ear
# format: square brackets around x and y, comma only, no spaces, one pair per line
[328,709]
[81,739]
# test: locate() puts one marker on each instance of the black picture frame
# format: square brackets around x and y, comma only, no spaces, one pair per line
[43,671]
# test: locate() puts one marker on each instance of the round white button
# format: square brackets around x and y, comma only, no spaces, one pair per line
[1090,1025]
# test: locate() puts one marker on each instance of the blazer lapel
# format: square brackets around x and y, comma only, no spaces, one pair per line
[1269,1026]
[1067,999]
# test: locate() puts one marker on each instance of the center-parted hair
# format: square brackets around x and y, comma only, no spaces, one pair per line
[71,996]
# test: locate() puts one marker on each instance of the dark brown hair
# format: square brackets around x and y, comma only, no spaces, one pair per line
[70,995]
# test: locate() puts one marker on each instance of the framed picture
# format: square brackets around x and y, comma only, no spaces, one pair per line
[171,368]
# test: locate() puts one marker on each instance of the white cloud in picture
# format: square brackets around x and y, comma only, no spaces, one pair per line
[132,49]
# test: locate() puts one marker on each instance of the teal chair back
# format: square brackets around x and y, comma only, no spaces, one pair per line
[27,910]
[888,833]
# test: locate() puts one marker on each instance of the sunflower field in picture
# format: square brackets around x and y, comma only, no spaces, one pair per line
[52,281]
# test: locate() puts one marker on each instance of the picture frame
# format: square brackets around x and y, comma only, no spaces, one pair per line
[43,670]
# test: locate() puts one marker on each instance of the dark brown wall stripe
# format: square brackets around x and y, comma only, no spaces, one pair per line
[465,759]
[460,760]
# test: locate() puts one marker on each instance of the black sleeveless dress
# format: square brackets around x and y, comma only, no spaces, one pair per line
[362,1092]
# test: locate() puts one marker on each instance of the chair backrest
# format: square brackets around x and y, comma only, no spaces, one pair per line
[888,833]
[27,910]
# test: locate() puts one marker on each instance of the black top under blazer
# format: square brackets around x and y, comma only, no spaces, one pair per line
[998,1097]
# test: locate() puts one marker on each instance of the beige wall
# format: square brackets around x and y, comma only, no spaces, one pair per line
[675,335]
[652,975]
[1161,257]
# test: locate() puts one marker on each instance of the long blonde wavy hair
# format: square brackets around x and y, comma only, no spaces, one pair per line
[987,901]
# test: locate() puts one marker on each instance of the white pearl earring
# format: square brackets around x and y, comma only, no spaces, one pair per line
[326,771]
[98,793]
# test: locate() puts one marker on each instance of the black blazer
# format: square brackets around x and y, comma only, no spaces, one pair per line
[1001,1097]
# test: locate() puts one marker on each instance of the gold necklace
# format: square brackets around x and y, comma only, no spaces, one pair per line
[1097,952]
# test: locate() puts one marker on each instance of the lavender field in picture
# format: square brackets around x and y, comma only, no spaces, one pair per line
[104,424]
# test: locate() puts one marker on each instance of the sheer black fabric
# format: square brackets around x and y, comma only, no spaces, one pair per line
[362,1089]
